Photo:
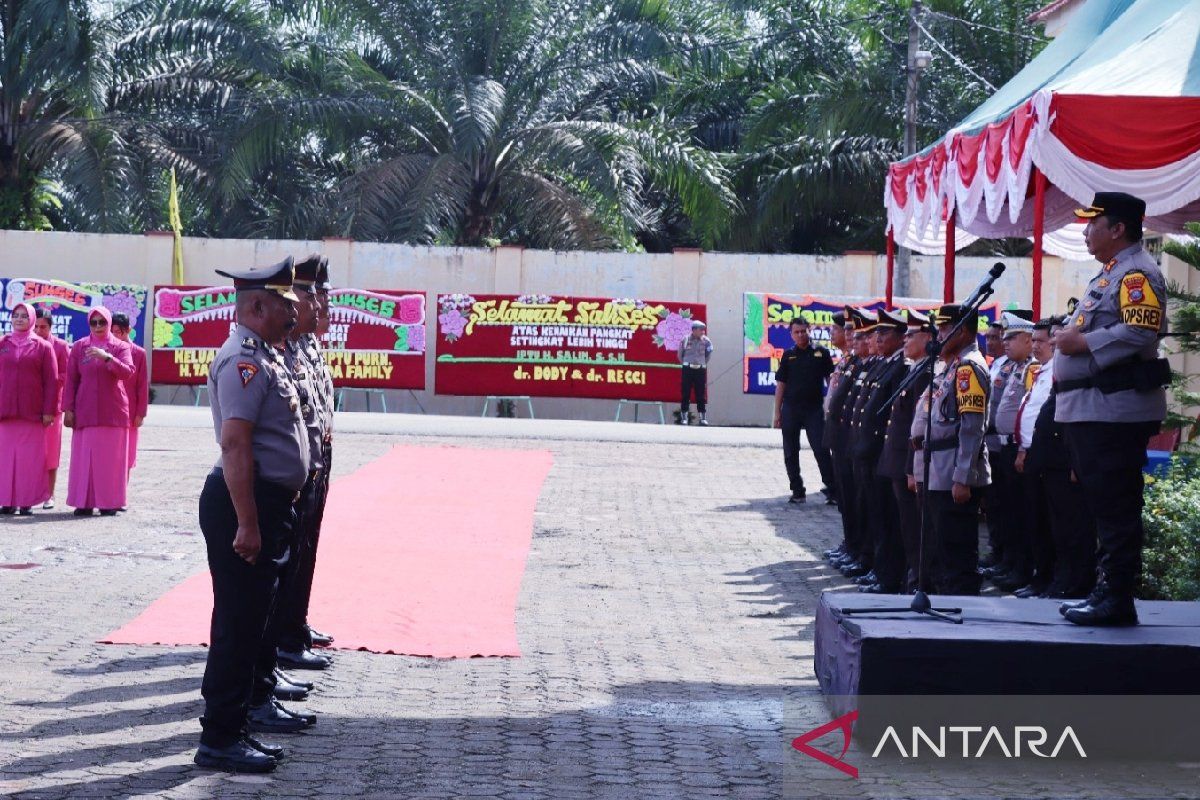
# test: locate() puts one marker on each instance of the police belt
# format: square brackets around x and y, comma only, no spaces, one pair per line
[1139,376]
[934,445]
[696,366]
[270,488]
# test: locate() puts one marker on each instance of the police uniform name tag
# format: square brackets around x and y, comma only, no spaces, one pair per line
[1140,306]
[971,397]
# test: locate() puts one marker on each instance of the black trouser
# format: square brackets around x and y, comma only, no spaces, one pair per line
[695,381]
[1108,458]
[843,467]
[890,563]
[1074,532]
[293,629]
[811,420]
[956,529]
[242,598]
[995,510]
[1017,516]
[864,516]
[918,555]
[1041,539]
[273,635]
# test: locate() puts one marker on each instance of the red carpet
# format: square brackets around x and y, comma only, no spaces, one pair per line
[422,553]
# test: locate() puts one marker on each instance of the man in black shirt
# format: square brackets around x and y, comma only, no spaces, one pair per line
[799,397]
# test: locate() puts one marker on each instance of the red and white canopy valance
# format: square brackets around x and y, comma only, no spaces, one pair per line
[1147,146]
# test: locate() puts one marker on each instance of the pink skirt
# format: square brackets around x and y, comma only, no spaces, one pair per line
[23,479]
[54,442]
[98,467]
[133,439]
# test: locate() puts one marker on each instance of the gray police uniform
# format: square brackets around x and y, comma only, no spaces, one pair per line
[955,441]
[249,381]
[1111,400]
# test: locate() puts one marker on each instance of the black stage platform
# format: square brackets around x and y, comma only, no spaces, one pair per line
[1004,646]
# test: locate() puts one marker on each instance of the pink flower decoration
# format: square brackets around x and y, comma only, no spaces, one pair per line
[169,303]
[411,310]
[416,338]
[452,323]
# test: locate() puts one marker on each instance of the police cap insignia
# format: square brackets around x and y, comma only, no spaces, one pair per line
[247,371]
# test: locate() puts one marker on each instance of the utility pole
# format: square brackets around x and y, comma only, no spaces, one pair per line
[913,66]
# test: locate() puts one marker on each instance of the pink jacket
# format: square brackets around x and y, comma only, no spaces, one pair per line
[28,378]
[62,351]
[137,385]
[95,388]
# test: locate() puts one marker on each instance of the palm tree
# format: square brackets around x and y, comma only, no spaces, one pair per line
[91,94]
[474,121]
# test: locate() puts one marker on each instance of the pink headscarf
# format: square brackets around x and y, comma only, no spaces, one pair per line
[22,336]
[100,341]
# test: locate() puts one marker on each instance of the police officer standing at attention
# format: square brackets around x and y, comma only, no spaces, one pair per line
[958,469]
[1110,398]
[294,643]
[247,507]
[799,398]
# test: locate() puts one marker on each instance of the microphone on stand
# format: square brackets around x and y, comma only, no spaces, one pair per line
[995,272]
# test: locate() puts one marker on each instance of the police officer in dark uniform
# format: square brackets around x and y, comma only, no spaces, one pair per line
[862,549]
[247,507]
[799,395]
[1109,382]
[888,566]
[958,469]
[896,458]
[853,365]
[294,644]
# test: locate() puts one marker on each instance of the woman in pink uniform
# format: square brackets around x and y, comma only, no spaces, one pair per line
[28,401]
[96,408]
[42,326]
[137,385]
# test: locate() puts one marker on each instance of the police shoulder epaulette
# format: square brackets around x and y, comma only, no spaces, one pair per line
[250,343]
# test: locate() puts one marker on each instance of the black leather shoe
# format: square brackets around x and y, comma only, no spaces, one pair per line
[867,580]
[6,510]
[271,718]
[319,639]
[854,570]
[266,748]
[1112,611]
[287,691]
[108,512]
[1095,597]
[283,677]
[301,659]
[25,511]
[834,552]
[82,512]
[308,719]
[1012,581]
[872,588]
[237,757]
[1032,590]
[797,498]
[996,570]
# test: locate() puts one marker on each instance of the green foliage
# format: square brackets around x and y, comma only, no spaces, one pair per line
[1171,553]
[1185,327]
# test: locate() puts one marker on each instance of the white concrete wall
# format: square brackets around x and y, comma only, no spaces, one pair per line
[716,279]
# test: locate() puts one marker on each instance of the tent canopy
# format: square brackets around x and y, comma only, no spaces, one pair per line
[1111,104]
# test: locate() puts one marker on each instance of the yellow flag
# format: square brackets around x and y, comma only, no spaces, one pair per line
[176,228]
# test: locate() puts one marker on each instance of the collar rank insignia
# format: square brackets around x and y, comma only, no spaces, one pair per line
[1103,283]
[250,343]
[247,370]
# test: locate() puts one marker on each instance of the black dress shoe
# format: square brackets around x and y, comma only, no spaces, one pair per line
[108,512]
[1112,611]
[237,757]
[1011,582]
[301,659]
[266,748]
[1032,590]
[319,639]
[6,510]
[283,677]
[271,718]
[873,588]
[82,512]
[287,691]
[797,498]
[854,570]
[867,580]
[25,511]
[307,718]
[1094,598]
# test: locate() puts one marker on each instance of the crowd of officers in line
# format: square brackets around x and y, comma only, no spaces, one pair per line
[261,507]
[1049,437]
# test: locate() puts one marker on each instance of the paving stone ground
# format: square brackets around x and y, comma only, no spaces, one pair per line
[665,620]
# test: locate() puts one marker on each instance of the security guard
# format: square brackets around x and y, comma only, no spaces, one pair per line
[879,504]
[895,458]
[247,506]
[799,395]
[1109,380]
[1006,481]
[294,643]
[959,467]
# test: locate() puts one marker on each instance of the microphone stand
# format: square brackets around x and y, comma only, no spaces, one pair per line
[921,604]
